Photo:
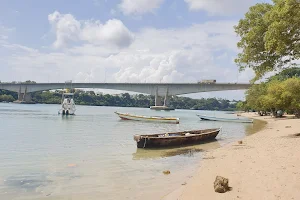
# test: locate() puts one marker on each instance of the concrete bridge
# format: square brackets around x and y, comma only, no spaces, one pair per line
[157,89]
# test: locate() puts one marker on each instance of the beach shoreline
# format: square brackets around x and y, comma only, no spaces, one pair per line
[264,166]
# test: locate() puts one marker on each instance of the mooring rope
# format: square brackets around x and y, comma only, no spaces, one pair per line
[145,142]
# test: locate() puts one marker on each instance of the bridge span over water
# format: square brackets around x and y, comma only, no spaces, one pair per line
[157,89]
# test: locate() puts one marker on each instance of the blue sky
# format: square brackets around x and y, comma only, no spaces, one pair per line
[121,41]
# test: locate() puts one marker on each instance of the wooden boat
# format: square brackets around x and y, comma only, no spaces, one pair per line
[127,116]
[176,138]
[241,120]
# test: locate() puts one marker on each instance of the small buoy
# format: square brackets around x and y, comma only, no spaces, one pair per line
[166,172]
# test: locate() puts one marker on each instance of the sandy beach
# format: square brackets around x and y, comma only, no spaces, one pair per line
[265,166]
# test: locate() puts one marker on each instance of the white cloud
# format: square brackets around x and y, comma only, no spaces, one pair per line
[3,37]
[4,32]
[157,55]
[69,30]
[181,55]
[138,7]
[19,48]
[113,12]
[201,51]
[66,28]
[220,7]
[151,68]
[112,32]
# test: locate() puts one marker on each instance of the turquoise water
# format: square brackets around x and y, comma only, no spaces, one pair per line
[92,155]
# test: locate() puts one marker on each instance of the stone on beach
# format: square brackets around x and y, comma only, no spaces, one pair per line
[166,172]
[221,184]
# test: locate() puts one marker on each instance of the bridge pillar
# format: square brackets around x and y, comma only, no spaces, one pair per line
[166,101]
[24,97]
[158,102]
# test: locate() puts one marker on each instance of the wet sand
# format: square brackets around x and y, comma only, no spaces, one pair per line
[265,166]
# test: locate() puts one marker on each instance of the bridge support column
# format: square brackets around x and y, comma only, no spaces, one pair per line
[166,101]
[158,102]
[24,97]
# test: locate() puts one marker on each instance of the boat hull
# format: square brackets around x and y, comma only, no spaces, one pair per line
[195,137]
[125,116]
[67,112]
[224,119]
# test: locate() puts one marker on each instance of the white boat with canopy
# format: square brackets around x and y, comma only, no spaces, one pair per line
[68,104]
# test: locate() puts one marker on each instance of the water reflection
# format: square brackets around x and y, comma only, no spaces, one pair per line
[92,155]
[189,151]
[67,117]
[36,183]
[256,126]
[29,183]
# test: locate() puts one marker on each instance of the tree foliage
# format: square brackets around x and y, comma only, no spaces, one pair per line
[286,73]
[270,36]
[275,95]
[242,106]
[254,96]
[291,95]
[6,98]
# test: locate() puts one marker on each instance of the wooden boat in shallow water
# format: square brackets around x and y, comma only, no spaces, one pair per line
[176,138]
[127,116]
[241,120]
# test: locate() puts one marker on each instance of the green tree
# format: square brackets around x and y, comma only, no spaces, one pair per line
[273,100]
[240,105]
[291,95]
[7,98]
[270,36]
[11,93]
[286,74]
[255,95]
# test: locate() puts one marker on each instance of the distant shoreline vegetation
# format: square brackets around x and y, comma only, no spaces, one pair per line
[82,97]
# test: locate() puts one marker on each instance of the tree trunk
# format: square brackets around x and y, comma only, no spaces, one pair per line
[274,112]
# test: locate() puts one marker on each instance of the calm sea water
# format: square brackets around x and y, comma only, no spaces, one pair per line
[93,155]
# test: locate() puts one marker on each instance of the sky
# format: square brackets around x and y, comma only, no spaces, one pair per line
[143,41]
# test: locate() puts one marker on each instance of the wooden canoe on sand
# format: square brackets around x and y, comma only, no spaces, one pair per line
[175,138]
